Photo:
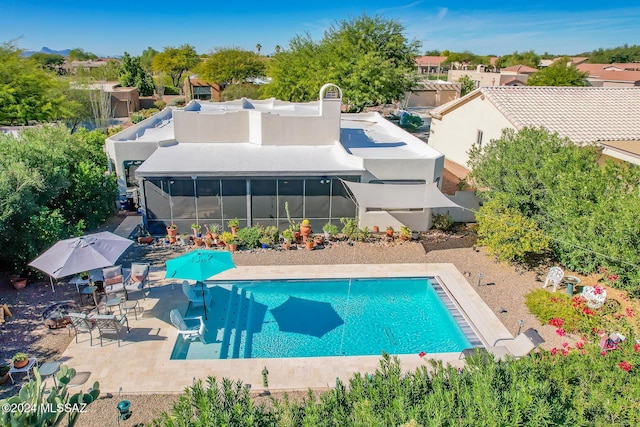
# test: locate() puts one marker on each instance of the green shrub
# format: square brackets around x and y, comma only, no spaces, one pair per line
[251,236]
[178,102]
[171,90]
[443,222]
[137,117]
[350,227]
[160,104]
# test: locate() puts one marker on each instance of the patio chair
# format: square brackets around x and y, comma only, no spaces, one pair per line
[554,278]
[111,324]
[113,280]
[195,297]
[139,278]
[188,327]
[80,323]
[516,347]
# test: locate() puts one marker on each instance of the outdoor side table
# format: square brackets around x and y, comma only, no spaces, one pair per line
[32,362]
[50,368]
[129,305]
[114,302]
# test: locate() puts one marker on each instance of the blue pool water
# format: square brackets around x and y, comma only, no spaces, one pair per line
[305,318]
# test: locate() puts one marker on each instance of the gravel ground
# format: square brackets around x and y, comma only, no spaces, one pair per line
[501,286]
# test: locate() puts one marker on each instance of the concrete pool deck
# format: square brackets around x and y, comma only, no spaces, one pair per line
[142,363]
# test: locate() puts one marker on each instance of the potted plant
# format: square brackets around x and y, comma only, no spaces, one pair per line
[329,230]
[288,236]
[19,282]
[184,238]
[84,275]
[265,242]
[144,236]
[376,229]
[310,244]
[390,231]
[214,229]
[231,241]
[305,229]
[208,242]
[233,224]
[172,230]
[166,239]
[197,230]
[405,233]
[20,360]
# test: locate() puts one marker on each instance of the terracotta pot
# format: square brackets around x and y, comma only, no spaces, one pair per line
[376,229]
[172,231]
[286,246]
[310,244]
[208,243]
[234,230]
[4,378]
[21,364]
[19,282]
[232,247]
[403,237]
[305,230]
[173,239]
[390,233]
[198,241]
[147,239]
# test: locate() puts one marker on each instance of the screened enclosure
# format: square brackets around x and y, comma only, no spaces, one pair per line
[263,201]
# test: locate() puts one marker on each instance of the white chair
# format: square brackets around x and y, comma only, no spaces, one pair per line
[595,297]
[188,327]
[195,297]
[139,278]
[554,278]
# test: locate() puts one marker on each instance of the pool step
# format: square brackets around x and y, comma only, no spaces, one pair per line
[236,322]
[460,320]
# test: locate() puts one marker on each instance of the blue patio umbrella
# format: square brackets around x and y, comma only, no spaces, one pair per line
[305,316]
[199,265]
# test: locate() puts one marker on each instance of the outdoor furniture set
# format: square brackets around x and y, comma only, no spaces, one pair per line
[595,296]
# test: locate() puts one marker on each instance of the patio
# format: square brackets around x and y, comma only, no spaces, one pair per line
[142,364]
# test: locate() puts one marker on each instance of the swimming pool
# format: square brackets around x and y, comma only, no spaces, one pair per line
[319,318]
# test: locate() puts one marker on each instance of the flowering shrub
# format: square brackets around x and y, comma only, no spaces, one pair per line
[566,314]
[625,366]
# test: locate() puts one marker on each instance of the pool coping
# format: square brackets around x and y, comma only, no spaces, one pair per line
[142,364]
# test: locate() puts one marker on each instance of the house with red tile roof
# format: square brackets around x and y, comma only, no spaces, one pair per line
[607,116]
[431,64]
[515,75]
[612,75]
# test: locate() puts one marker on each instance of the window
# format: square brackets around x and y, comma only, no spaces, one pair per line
[479,138]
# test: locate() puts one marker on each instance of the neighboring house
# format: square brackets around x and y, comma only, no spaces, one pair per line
[609,117]
[612,75]
[431,93]
[124,100]
[195,88]
[431,64]
[211,162]
[516,75]
[72,67]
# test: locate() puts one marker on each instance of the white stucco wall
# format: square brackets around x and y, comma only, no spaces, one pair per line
[457,130]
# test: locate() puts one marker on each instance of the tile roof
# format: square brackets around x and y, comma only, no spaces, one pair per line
[523,69]
[582,114]
[430,60]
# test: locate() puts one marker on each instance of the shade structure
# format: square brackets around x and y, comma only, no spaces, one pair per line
[199,265]
[308,317]
[72,256]
[398,196]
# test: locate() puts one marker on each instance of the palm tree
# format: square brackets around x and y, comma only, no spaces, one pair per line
[258,47]
[278,48]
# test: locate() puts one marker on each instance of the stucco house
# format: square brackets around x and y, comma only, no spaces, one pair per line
[247,159]
[609,117]
[612,75]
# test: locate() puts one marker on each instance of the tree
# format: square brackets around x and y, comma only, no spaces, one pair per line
[132,75]
[278,48]
[529,58]
[560,73]
[242,90]
[368,57]
[468,85]
[78,54]
[258,48]
[174,61]
[231,65]
[29,93]
[433,52]
[146,59]
[49,61]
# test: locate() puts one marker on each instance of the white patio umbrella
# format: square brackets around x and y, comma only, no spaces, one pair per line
[72,256]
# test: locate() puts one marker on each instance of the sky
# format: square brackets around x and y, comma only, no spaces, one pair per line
[110,28]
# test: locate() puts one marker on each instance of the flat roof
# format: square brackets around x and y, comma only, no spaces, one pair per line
[248,159]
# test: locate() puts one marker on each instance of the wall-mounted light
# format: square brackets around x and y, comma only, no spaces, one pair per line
[324,180]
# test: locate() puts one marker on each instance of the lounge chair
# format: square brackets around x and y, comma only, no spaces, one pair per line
[554,278]
[80,323]
[188,327]
[111,324]
[195,297]
[516,347]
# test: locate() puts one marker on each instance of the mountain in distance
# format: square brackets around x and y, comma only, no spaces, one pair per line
[64,52]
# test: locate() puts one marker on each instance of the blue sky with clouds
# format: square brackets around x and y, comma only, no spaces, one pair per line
[113,27]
